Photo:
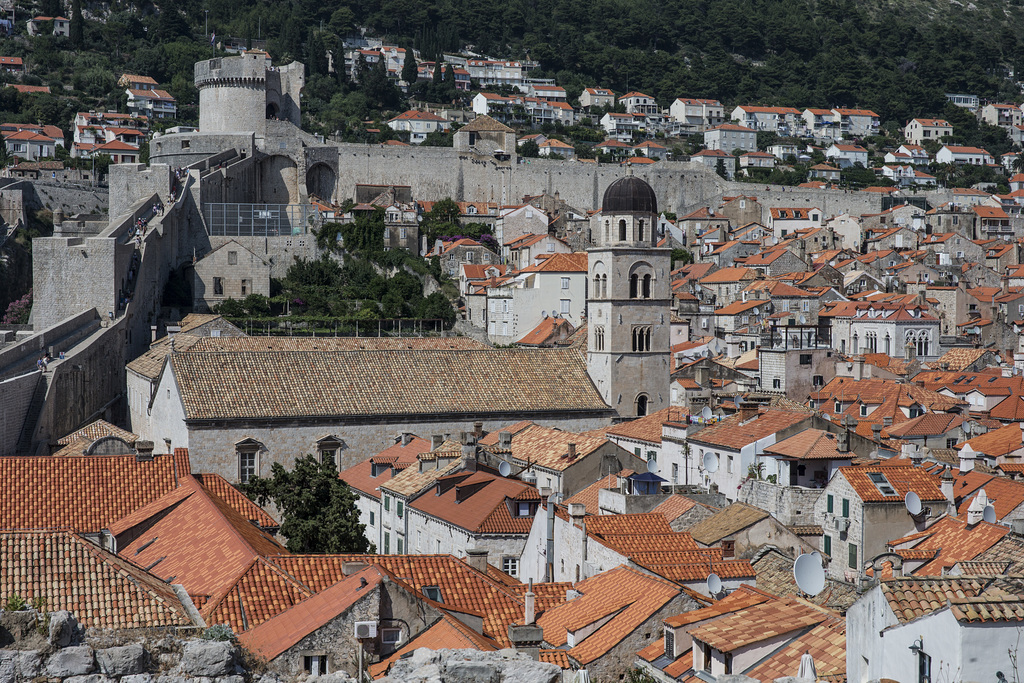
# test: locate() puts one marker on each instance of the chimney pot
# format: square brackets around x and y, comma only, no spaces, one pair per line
[478,430]
[572,451]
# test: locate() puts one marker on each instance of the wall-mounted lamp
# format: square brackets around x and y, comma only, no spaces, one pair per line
[918,645]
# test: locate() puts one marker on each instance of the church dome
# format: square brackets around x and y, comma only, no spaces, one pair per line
[628,195]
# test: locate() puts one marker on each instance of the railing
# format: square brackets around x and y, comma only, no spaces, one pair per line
[261,220]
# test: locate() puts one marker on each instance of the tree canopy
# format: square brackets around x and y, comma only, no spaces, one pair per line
[318,509]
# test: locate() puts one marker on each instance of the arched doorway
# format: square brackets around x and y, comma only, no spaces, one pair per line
[321,181]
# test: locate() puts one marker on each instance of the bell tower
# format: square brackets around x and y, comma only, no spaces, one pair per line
[628,302]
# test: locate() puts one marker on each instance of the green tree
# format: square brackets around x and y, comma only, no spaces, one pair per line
[318,509]
[410,70]
[77,24]
[720,169]
[529,149]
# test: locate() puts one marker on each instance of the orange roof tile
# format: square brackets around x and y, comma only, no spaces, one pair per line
[810,444]
[954,540]
[626,595]
[97,430]
[85,493]
[588,497]
[478,502]
[71,573]
[736,431]
[222,488]
[195,539]
[902,478]
[447,633]
[276,635]
[648,428]
[759,623]
[826,643]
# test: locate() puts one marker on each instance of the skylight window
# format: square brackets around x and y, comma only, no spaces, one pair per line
[883,485]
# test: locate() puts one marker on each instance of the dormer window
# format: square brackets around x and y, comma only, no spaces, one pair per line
[433,593]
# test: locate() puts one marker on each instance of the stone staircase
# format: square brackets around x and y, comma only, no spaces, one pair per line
[35,408]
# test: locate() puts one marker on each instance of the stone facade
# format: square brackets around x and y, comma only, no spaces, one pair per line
[791,505]
[241,93]
[228,272]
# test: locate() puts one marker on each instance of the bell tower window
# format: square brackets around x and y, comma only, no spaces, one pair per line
[634,286]
[622,230]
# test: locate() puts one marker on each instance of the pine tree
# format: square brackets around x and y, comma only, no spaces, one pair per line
[410,70]
[77,24]
[319,513]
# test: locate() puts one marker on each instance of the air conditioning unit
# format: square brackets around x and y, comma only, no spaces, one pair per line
[842,523]
[365,629]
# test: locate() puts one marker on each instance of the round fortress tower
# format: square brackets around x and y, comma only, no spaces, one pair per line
[242,93]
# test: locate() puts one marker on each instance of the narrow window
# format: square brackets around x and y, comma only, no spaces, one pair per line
[218,286]
[622,230]
[232,258]
[647,286]
[634,285]
[246,465]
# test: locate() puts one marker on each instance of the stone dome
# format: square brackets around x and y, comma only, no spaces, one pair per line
[628,195]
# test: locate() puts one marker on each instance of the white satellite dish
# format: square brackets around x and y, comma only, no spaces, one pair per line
[989,515]
[706,413]
[711,462]
[714,584]
[913,503]
[504,469]
[809,575]
[756,311]
[816,555]
[652,466]
[803,320]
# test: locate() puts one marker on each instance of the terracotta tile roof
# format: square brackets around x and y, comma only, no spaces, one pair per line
[775,575]
[729,275]
[735,431]
[589,496]
[285,384]
[1009,549]
[97,430]
[276,635]
[631,544]
[826,643]
[360,476]
[1005,495]
[759,623]
[998,442]
[674,507]
[447,633]
[741,598]
[479,503]
[910,598]
[977,568]
[548,332]
[902,478]
[810,444]
[957,359]
[84,493]
[626,595]
[559,658]
[648,428]
[261,592]
[265,344]
[689,572]
[637,524]
[71,573]
[549,448]
[197,540]
[222,488]
[929,424]
[411,480]
[954,540]
[726,522]
[462,588]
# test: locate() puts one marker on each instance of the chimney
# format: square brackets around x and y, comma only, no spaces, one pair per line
[947,488]
[143,450]
[152,333]
[477,559]
[701,376]
[478,430]
[530,613]
[572,452]
[858,368]
[406,438]
[577,511]
[435,441]
[843,440]
[910,351]
[505,440]
[747,411]
[469,456]
[976,512]
[876,432]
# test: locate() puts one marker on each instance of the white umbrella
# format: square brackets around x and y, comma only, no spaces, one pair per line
[807,667]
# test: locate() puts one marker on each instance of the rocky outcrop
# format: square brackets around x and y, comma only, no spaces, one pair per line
[471,666]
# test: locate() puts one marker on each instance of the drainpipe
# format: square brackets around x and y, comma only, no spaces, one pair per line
[550,575]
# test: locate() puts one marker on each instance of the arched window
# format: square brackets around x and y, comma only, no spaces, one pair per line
[647,286]
[855,343]
[642,338]
[597,286]
[888,344]
[622,230]
[604,286]
[641,405]
[640,231]
[599,339]
[607,232]
[634,286]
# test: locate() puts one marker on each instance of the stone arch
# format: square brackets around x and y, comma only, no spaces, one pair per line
[278,180]
[109,445]
[273,111]
[321,181]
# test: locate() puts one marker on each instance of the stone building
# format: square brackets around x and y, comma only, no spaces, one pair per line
[486,136]
[242,93]
[629,302]
[228,272]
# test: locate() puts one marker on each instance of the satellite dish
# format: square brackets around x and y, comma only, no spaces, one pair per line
[816,555]
[913,503]
[989,515]
[706,413]
[652,466]
[504,469]
[809,575]
[757,311]
[711,462]
[714,584]
[803,320]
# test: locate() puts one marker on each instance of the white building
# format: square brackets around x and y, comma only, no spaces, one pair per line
[156,104]
[922,130]
[555,287]
[845,156]
[495,72]
[596,97]
[952,154]
[856,122]
[418,124]
[918,628]
[729,137]
[696,115]
[639,103]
